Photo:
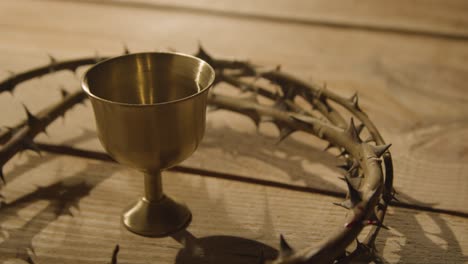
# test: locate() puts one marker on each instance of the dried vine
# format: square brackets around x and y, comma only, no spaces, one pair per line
[369,185]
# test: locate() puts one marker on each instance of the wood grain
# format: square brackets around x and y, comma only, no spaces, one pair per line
[416,17]
[81,214]
[398,80]
[413,87]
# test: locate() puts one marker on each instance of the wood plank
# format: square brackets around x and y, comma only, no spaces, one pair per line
[432,18]
[398,78]
[232,221]
[397,83]
[219,207]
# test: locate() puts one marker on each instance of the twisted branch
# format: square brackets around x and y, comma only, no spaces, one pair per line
[21,137]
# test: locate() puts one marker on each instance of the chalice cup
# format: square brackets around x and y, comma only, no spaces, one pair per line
[150,115]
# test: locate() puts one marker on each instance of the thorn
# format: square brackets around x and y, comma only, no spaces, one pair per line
[30,247]
[303,119]
[354,98]
[354,195]
[115,254]
[8,84]
[355,101]
[63,92]
[352,201]
[278,68]
[367,253]
[31,118]
[284,133]
[52,59]
[286,249]
[125,49]
[329,146]
[75,73]
[359,128]
[352,132]
[254,116]
[381,149]
[202,54]
[319,93]
[53,63]
[353,168]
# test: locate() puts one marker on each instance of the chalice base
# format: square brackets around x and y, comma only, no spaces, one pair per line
[156,218]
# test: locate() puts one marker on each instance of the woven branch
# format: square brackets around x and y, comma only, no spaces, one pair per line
[369,186]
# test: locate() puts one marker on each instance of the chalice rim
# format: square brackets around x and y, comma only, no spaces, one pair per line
[85,87]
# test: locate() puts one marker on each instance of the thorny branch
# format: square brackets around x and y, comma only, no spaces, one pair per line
[21,136]
[369,186]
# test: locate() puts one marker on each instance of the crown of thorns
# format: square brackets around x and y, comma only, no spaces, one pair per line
[367,163]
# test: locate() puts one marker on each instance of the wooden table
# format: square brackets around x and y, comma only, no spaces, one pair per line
[406,59]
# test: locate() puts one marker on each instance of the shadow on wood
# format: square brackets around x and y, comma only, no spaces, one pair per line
[62,197]
[420,237]
[221,249]
[263,148]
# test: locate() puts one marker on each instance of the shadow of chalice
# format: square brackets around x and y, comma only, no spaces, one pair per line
[150,115]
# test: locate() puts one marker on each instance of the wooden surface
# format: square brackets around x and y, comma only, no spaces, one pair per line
[407,60]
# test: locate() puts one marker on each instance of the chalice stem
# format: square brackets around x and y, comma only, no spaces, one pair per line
[153,186]
[155,214]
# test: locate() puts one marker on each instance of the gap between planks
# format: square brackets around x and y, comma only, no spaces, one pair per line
[275,19]
[96,155]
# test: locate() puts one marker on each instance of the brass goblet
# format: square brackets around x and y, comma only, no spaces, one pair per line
[150,115]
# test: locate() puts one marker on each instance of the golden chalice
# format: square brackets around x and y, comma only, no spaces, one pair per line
[150,115]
